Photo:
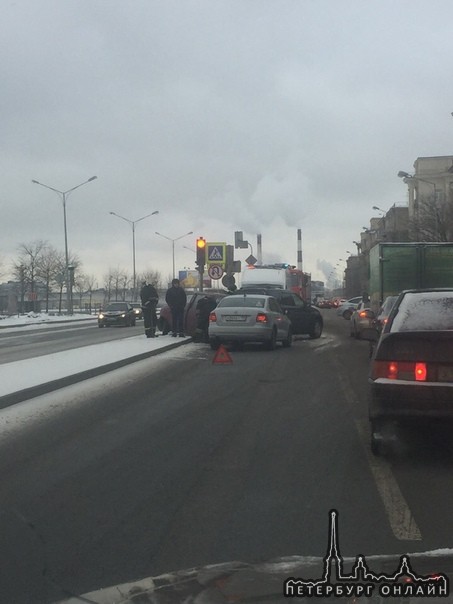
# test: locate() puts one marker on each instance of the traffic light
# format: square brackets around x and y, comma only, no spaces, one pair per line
[201,252]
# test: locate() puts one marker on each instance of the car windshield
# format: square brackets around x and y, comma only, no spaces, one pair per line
[116,306]
[242,302]
[428,311]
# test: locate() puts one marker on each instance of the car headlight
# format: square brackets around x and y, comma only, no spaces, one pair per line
[123,315]
[101,316]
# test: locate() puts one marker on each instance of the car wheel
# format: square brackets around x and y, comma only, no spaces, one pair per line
[286,343]
[316,331]
[347,314]
[272,343]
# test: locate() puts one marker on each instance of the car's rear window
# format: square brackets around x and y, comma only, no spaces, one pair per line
[427,311]
[242,302]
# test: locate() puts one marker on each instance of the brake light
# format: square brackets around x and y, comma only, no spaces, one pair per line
[420,372]
[212,317]
[261,317]
[392,371]
[399,370]
[363,314]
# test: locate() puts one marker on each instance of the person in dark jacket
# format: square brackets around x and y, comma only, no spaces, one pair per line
[176,299]
[149,298]
[204,308]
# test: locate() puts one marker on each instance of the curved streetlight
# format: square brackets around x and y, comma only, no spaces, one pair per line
[133,223]
[379,210]
[173,245]
[64,195]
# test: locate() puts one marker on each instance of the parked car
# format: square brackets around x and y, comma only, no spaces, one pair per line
[137,309]
[305,318]
[246,317]
[117,313]
[411,372]
[164,321]
[346,309]
[362,318]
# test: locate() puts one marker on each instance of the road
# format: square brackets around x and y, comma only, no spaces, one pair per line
[29,342]
[175,462]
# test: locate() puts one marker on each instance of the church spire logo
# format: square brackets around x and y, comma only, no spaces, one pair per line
[361,581]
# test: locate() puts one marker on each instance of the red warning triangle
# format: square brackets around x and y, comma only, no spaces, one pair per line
[222,356]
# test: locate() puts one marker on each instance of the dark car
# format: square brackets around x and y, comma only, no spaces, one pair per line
[117,313]
[411,373]
[305,318]
[137,309]
[164,322]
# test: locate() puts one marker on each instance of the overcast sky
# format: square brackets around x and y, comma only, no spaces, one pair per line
[263,116]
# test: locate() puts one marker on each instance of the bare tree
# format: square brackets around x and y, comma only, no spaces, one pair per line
[151,276]
[433,221]
[60,279]
[26,266]
[47,268]
[91,285]
[116,284]
[108,281]
[80,286]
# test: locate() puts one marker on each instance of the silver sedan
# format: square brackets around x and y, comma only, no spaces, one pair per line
[249,318]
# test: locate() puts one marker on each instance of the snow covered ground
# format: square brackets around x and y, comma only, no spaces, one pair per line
[29,373]
[36,319]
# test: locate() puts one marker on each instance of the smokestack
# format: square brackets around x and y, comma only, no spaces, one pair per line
[259,249]
[299,249]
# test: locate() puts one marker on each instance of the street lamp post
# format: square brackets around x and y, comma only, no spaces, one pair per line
[64,195]
[173,245]
[133,223]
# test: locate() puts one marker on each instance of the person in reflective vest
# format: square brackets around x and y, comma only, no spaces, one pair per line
[149,298]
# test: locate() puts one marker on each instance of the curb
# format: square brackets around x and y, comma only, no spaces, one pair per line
[20,396]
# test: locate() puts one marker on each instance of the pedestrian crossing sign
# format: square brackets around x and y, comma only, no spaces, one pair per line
[216,253]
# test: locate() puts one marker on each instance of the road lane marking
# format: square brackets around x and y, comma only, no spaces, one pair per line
[399,514]
[400,517]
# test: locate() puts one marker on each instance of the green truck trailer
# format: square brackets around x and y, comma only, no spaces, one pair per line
[395,267]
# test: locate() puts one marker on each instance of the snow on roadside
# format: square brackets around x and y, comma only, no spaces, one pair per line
[27,373]
[39,318]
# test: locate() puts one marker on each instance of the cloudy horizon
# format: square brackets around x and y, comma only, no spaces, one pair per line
[261,116]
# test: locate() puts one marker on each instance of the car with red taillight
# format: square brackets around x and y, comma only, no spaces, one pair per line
[411,372]
[242,318]
[362,318]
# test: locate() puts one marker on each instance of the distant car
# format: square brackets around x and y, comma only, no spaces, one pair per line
[137,309]
[246,317]
[346,309]
[325,304]
[117,313]
[362,318]
[411,372]
[164,322]
[305,318]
